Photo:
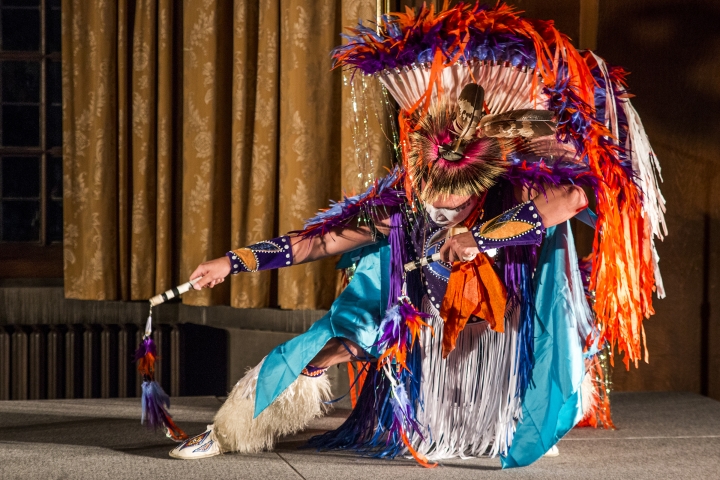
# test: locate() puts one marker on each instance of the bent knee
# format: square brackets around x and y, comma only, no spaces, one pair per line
[337,350]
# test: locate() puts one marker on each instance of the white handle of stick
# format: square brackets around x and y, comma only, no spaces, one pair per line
[421,262]
[173,292]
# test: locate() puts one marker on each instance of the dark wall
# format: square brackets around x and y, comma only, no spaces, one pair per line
[672,49]
[565,14]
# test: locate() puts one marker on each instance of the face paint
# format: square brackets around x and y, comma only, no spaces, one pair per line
[451,216]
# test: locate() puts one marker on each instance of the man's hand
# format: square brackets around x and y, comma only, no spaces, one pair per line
[212,273]
[459,248]
[558,204]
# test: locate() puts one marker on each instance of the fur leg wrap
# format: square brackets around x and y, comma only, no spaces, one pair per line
[237,431]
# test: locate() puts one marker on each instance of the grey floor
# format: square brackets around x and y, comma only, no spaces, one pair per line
[660,435]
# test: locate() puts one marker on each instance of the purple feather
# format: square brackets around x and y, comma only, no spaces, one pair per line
[155,403]
[379,201]
[403,46]
[404,419]
[533,175]
[390,328]
[146,346]
[398,257]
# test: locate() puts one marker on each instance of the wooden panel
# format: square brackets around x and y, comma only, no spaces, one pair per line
[176,369]
[5,362]
[96,361]
[19,364]
[73,362]
[109,361]
[91,362]
[56,362]
[161,336]
[126,367]
[37,363]
[589,10]
[31,261]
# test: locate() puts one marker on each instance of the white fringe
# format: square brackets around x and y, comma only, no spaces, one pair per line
[470,407]
[646,166]
[302,401]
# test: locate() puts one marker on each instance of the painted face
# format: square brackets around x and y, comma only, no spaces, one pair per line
[449,216]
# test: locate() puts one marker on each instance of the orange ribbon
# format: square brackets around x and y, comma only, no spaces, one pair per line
[474,289]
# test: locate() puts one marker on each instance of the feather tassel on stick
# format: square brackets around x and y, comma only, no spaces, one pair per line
[155,402]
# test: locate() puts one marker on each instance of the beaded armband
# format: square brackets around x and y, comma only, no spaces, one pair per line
[521,225]
[265,255]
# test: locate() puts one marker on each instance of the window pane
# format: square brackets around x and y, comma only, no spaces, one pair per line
[54,83]
[21,3]
[54,177]
[52,30]
[20,82]
[21,220]
[20,29]
[54,221]
[21,177]
[21,125]
[54,126]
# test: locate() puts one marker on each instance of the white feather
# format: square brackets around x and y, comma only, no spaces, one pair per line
[588,395]
[646,168]
[506,87]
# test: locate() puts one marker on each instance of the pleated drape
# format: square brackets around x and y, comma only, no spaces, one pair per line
[310,114]
[117,148]
[266,141]
[151,149]
[207,80]
[90,166]
[255,128]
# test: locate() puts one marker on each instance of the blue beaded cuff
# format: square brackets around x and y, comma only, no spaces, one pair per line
[265,255]
[521,225]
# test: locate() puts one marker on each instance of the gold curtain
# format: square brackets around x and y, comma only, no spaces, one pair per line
[117,147]
[265,142]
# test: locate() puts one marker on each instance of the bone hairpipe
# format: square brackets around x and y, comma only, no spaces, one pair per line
[173,292]
[421,262]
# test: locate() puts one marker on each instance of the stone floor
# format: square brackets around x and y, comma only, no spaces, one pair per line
[660,435]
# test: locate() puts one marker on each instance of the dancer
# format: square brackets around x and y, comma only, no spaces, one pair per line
[452,305]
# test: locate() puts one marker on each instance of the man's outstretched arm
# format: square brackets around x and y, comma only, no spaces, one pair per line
[281,252]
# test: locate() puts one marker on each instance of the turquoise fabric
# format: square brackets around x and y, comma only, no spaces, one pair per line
[354,315]
[552,403]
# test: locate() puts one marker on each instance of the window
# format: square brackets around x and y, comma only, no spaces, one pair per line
[30,133]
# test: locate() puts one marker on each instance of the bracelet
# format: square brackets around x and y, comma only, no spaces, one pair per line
[521,225]
[265,255]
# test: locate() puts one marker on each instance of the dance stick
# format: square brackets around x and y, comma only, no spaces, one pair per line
[173,292]
[421,262]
